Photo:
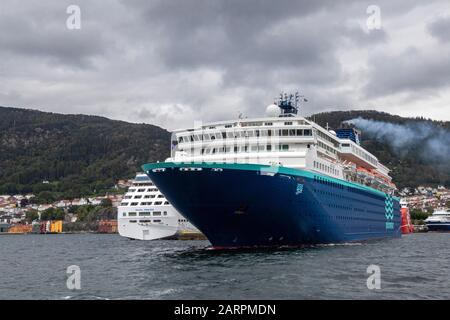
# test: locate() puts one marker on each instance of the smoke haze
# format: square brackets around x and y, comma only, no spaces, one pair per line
[433,140]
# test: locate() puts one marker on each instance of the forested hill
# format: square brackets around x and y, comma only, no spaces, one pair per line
[81,155]
[417,150]
[77,154]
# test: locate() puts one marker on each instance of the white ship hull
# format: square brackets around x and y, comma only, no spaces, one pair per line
[144,231]
[145,214]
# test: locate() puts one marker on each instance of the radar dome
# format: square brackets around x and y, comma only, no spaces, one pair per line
[272,110]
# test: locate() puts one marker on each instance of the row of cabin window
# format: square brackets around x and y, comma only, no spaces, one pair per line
[236,149]
[325,168]
[142,221]
[326,147]
[156,203]
[364,155]
[327,138]
[143,184]
[257,124]
[246,134]
[143,190]
[147,196]
[145,214]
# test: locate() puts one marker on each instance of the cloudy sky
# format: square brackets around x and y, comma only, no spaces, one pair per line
[171,63]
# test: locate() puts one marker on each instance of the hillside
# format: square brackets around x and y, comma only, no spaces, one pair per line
[417,150]
[77,154]
[82,155]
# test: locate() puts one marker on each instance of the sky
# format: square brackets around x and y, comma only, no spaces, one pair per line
[172,63]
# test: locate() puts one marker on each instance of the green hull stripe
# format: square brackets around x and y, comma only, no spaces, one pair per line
[260,167]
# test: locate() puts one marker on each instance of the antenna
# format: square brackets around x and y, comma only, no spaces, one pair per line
[289,103]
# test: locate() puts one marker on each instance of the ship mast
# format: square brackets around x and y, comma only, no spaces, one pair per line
[289,103]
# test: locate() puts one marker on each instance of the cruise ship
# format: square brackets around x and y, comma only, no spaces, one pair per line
[145,214]
[439,221]
[280,180]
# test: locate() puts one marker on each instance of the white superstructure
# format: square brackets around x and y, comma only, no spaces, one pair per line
[145,213]
[286,139]
[440,216]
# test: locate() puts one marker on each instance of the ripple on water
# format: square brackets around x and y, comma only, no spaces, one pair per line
[34,267]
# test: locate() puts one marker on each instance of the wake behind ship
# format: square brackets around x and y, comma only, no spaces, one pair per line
[279,180]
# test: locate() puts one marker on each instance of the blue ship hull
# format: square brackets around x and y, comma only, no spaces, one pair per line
[437,226]
[244,205]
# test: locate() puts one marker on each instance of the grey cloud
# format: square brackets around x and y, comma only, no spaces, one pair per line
[172,62]
[411,71]
[367,38]
[440,28]
[42,33]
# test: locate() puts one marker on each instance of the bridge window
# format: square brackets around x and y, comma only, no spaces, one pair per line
[144,214]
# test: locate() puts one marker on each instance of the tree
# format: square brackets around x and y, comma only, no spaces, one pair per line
[106,203]
[53,214]
[24,202]
[417,214]
[45,197]
[83,212]
[31,215]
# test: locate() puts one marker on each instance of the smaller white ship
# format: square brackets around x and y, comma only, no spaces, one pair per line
[439,221]
[145,214]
